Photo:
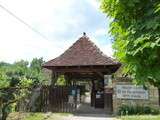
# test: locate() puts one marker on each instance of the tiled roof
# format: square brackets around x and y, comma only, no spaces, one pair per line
[82,53]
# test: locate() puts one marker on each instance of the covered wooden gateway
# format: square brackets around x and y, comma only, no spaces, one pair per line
[84,61]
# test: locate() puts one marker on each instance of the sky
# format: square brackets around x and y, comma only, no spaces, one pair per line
[59,22]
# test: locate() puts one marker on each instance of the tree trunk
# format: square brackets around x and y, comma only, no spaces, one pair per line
[4,113]
[5,105]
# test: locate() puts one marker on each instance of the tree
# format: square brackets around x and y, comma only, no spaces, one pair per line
[13,85]
[16,81]
[135,28]
[36,73]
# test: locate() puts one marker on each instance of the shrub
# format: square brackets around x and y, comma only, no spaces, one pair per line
[155,111]
[137,110]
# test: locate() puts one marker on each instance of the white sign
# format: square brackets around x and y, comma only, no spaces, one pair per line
[131,92]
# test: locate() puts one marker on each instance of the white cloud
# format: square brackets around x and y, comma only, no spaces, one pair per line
[94,3]
[52,18]
[100,32]
[107,49]
[19,42]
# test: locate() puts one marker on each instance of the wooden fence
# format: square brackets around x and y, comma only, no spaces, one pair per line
[52,99]
[56,99]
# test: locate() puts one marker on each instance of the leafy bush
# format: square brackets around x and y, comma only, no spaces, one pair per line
[155,111]
[137,110]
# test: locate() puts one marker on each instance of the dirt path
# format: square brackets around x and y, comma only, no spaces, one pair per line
[86,112]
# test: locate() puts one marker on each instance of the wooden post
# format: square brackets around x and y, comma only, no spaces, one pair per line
[54,78]
[68,80]
[93,94]
[159,95]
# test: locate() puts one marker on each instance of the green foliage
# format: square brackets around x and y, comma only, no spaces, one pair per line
[140,117]
[61,80]
[136,32]
[37,116]
[3,79]
[36,73]
[16,80]
[137,110]
[24,82]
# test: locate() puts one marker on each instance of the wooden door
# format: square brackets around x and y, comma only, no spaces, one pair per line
[108,103]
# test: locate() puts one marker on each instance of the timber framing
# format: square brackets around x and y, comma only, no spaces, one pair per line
[82,60]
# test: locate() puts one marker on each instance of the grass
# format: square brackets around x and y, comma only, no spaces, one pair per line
[37,116]
[60,116]
[140,117]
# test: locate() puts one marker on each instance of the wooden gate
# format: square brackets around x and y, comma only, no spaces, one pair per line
[108,103]
[57,99]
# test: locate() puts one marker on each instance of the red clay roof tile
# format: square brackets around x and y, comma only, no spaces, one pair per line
[82,53]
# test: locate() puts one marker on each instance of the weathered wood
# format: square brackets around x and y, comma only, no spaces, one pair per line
[54,79]
[81,70]
[93,93]
[108,102]
[81,76]
[55,99]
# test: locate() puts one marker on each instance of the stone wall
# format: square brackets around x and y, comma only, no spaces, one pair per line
[152,100]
